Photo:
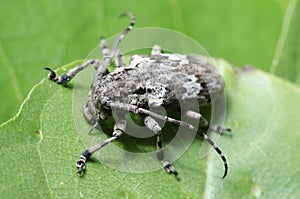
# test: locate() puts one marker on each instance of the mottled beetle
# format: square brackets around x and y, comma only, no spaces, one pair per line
[164,77]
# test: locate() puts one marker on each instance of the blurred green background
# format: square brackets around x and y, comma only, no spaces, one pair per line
[41,145]
[35,34]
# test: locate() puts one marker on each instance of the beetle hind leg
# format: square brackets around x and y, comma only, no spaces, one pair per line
[198,116]
[152,126]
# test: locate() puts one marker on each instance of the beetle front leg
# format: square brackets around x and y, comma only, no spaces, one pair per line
[65,78]
[119,129]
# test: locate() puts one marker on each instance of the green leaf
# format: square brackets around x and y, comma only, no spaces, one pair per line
[54,32]
[286,62]
[35,34]
[41,145]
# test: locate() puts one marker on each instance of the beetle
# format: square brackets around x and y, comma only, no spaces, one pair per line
[150,80]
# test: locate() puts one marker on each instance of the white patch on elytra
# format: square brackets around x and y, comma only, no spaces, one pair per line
[192,87]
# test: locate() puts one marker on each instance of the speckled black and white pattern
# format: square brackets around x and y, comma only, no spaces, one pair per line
[151,80]
[156,80]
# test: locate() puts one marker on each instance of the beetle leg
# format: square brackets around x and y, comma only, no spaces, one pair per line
[107,57]
[65,78]
[156,50]
[120,61]
[154,126]
[136,110]
[219,129]
[119,128]
[198,116]
[114,49]
[104,47]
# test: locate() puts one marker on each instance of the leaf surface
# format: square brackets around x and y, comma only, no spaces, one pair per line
[41,145]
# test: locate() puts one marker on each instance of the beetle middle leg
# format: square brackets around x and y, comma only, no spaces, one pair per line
[104,47]
[119,58]
[120,61]
[136,110]
[151,124]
